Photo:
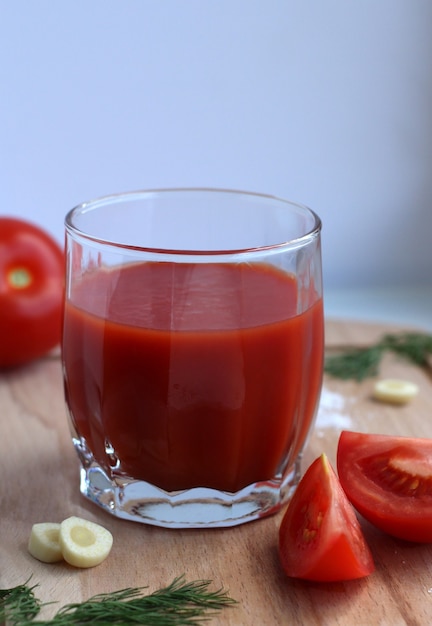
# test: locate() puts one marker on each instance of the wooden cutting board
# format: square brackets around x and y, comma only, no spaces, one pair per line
[39,482]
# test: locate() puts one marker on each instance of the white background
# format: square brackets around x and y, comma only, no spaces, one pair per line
[325,102]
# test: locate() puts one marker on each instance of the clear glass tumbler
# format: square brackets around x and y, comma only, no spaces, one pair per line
[192,352]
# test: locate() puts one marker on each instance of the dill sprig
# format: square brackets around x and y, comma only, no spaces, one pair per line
[360,363]
[18,604]
[180,603]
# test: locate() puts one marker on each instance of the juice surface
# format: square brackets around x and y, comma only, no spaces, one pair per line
[188,375]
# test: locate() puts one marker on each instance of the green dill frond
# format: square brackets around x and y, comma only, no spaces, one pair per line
[357,363]
[180,604]
[361,363]
[18,605]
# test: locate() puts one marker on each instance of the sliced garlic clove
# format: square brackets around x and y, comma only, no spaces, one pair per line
[394,391]
[84,543]
[44,542]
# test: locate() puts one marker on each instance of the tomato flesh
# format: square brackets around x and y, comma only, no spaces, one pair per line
[388,479]
[320,538]
[31,292]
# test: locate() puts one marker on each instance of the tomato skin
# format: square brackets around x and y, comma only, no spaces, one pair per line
[31,292]
[388,479]
[320,538]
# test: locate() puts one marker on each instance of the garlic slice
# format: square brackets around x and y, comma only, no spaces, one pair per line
[394,391]
[44,542]
[84,543]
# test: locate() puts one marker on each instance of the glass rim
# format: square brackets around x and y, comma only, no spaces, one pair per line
[100,201]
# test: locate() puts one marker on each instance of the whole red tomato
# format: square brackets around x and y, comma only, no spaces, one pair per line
[31,292]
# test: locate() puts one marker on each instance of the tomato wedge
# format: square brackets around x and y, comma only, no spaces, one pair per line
[31,291]
[320,538]
[389,481]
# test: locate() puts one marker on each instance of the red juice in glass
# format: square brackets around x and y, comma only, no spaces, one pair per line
[202,381]
[191,385]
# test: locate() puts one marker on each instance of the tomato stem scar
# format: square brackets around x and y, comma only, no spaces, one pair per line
[19,278]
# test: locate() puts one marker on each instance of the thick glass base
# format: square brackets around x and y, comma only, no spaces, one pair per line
[200,507]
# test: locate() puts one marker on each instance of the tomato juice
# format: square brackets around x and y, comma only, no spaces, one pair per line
[192,374]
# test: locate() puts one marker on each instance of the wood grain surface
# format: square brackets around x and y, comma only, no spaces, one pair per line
[39,482]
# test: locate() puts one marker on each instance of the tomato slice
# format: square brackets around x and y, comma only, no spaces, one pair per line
[389,481]
[31,291]
[320,538]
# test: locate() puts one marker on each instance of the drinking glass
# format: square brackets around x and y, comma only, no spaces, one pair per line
[192,352]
